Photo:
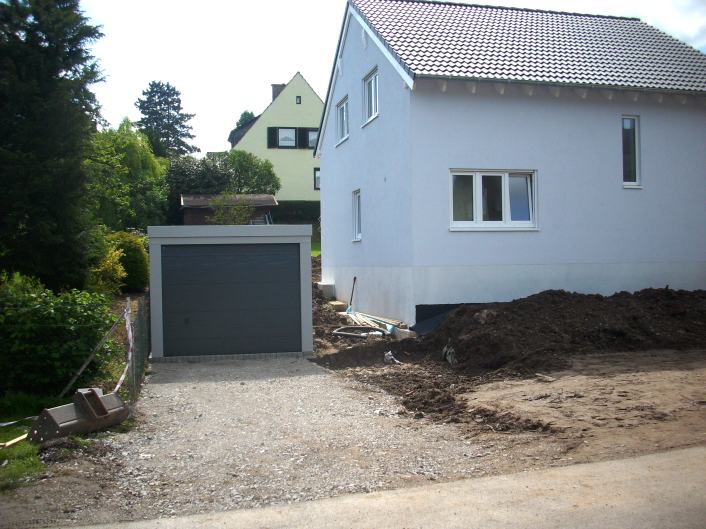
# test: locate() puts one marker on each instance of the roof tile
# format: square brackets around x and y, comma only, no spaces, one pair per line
[443,39]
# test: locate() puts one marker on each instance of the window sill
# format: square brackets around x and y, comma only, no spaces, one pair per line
[493,228]
[357,240]
[373,118]
[632,186]
[342,140]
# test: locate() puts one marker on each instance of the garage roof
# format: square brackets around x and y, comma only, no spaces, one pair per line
[451,40]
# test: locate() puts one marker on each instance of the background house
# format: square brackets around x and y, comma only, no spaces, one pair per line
[285,134]
[476,154]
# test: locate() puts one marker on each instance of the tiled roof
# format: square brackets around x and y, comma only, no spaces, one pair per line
[237,133]
[450,40]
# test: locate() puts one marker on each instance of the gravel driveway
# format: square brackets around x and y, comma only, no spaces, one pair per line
[218,436]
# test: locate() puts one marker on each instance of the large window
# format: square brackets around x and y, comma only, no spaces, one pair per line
[370,87]
[286,138]
[317,178]
[342,119]
[631,152]
[357,222]
[493,199]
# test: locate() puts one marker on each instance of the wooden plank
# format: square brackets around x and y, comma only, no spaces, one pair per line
[14,441]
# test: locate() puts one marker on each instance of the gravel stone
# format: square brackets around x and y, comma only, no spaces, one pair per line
[240,434]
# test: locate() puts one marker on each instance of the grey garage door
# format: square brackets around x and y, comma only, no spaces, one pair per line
[220,299]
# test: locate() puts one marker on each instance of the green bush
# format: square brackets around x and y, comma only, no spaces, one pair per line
[134,260]
[107,277]
[46,337]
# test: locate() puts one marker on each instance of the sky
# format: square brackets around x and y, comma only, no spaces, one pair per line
[223,55]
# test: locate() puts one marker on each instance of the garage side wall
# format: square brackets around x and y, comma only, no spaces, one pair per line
[230,290]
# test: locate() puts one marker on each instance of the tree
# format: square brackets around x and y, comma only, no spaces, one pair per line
[47,114]
[245,118]
[126,186]
[228,208]
[233,172]
[163,120]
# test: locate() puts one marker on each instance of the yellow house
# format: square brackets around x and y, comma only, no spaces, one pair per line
[286,134]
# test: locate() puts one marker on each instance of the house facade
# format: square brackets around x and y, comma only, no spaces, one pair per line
[477,154]
[285,134]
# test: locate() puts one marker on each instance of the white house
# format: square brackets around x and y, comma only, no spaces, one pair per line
[476,154]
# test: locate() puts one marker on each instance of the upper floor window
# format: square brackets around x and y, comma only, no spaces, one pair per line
[493,200]
[312,138]
[317,178]
[286,138]
[292,137]
[370,84]
[298,99]
[631,151]
[342,119]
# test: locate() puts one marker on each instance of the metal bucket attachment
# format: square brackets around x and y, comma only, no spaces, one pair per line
[90,411]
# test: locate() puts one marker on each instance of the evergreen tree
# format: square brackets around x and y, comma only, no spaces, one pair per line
[47,114]
[163,120]
[245,118]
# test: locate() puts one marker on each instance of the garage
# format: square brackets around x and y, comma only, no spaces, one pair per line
[218,291]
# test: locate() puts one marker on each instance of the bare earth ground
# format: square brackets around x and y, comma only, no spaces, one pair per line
[220,436]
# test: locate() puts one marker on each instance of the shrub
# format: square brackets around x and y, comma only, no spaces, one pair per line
[134,260]
[107,277]
[46,337]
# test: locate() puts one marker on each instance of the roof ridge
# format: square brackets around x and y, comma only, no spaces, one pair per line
[511,8]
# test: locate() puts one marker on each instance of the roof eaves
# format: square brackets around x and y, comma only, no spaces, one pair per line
[367,21]
[559,83]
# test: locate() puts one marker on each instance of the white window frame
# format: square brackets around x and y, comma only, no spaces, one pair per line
[317,178]
[506,224]
[357,218]
[637,184]
[342,121]
[372,80]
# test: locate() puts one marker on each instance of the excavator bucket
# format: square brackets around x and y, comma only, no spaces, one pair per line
[90,411]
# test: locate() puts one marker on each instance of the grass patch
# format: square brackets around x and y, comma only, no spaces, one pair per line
[23,464]
[23,461]
[315,248]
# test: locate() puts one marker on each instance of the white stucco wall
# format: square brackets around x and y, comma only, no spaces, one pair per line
[375,159]
[593,234]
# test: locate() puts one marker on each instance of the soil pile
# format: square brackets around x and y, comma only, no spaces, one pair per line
[540,332]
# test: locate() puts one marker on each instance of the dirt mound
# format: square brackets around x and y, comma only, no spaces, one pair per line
[540,332]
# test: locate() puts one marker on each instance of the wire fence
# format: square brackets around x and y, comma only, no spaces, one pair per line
[141,347]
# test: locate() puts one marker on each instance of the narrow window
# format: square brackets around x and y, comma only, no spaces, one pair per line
[370,84]
[357,223]
[342,119]
[492,197]
[317,178]
[286,138]
[630,151]
[313,136]
[463,197]
[299,100]
[520,193]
